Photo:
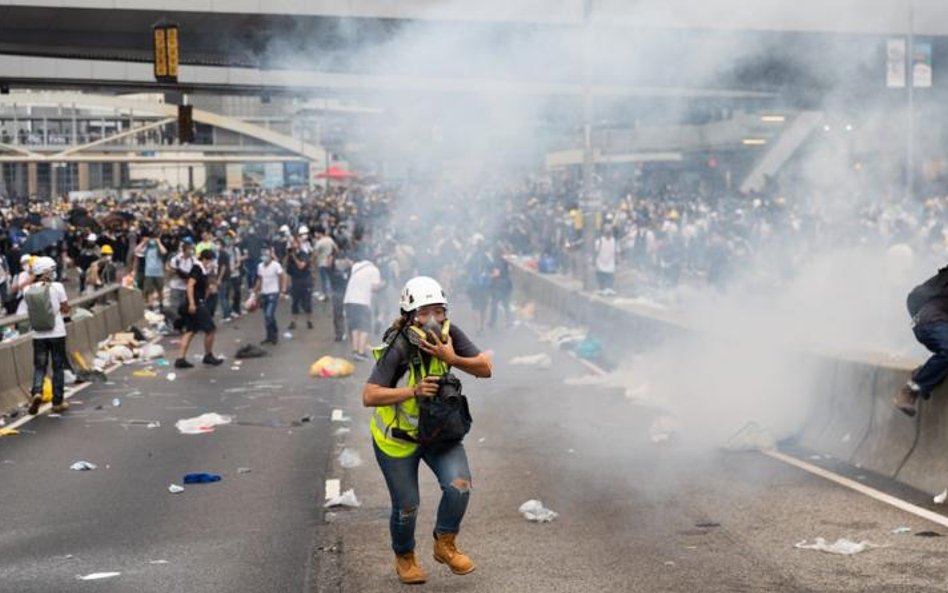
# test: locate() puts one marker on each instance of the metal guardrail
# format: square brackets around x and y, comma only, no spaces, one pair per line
[79,302]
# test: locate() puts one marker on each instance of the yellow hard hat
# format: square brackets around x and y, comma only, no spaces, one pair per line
[106,250]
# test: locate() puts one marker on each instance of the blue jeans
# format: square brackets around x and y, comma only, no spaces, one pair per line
[401,476]
[45,349]
[325,280]
[269,302]
[933,336]
[223,296]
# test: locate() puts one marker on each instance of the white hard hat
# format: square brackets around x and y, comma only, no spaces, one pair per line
[304,230]
[285,229]
[25,259]
[421,291]
[92,237]
[44,265]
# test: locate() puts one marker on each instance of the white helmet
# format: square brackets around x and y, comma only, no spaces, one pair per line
[304,230]
[91,237]
[285,229]
[25,259]
[421,291]
[43,266]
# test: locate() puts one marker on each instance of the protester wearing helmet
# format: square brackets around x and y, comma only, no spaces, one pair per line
[425,345]
[88,255]
[299,268]
[103,271]
[45,302]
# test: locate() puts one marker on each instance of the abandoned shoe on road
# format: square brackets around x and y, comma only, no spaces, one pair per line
[905,400]
[408,569]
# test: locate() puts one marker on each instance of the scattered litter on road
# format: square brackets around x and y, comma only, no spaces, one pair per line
[343,430]
[172,376]
[561,335]
[751,438]
[669,563]
[82,466]
[163,363]
[8,432]
[244,470]
[541,360]
[349,458]
[707,524]
[97,575]
[589,349]
[927,534]
[116,402]
[144,374]
[338,416]
[287,335]
[330,549]
[329,367]
[306,419]
[201,478]
[816,457]
[533,510]
[842,546]
[346,499]
[901,530]
[482,440]
[941,498]
[158,562]
[201,424]
[151,351]
[235,368]
[175,489]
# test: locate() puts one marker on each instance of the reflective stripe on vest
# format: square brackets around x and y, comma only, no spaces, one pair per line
[403,415]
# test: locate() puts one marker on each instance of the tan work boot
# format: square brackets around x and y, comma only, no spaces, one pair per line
[447,552]
[408,569]
[905,400]
[59,409]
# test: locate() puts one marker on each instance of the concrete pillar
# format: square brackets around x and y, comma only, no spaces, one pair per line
[32,179]
[83,174]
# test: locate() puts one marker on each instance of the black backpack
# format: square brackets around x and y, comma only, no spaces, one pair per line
[932,288]
[443,419]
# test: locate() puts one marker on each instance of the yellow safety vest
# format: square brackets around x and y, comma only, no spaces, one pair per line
[405,414]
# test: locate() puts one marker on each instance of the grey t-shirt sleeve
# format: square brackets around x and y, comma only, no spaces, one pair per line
[463,345]
[389,369]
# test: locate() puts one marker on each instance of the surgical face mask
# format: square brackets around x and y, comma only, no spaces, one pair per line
[107,258]
[265,259]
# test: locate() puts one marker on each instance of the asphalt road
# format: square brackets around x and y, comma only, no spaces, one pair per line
[250,532]
[634,515]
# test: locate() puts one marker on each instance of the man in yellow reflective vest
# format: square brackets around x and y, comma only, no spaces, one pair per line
[421,345]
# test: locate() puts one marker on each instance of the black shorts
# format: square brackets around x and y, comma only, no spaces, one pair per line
[200,321]
[358,317]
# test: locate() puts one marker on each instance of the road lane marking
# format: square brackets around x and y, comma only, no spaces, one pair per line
[333,489]
[861,488]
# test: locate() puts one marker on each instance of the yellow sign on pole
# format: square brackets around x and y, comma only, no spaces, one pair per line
[167,52]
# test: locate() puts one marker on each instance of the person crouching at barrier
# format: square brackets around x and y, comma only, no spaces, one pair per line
[425,420]
[45,302]
[195,315]
[928,307]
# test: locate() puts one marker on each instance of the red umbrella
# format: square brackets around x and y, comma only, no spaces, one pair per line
[336,173]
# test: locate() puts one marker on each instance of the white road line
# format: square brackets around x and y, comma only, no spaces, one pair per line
[47,407]
[333,489]
[823,473]
[861,488]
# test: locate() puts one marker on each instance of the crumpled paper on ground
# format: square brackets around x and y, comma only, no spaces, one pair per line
[346,499]
[82,466]
[542,360]
[533,510]
[97,576]
[842,546]
[559,335]
[201,424]
[349,458]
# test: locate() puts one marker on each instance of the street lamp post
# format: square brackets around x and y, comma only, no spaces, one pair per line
[589,202]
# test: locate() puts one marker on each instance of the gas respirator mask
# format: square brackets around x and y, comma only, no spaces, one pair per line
[430,331]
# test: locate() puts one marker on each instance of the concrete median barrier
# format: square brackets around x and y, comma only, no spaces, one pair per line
[23,359]
[113,319]
[851,418]
[131,307]
[11,394]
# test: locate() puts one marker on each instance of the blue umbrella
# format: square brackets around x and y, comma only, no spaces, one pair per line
[38,242]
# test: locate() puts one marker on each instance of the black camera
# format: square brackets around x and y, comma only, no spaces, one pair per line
[449,387]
